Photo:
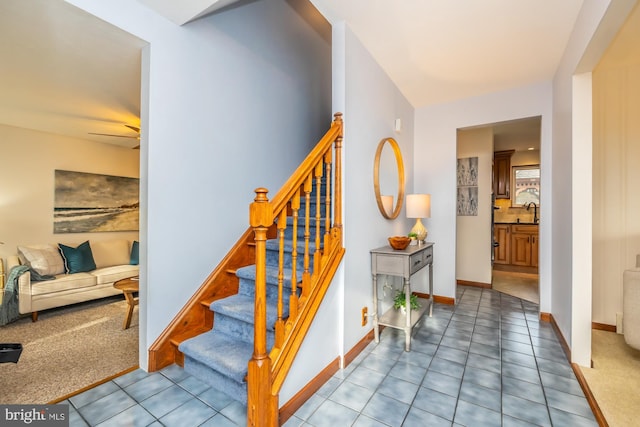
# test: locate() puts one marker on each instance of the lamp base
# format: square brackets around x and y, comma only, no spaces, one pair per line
[419,230]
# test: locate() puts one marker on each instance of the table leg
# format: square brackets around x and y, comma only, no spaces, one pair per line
[407,327]
[376,332]
[128,295]
[431,290]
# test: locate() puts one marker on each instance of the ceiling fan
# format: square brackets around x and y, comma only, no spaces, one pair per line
[136,129]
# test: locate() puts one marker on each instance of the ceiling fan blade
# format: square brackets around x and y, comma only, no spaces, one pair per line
[117,136]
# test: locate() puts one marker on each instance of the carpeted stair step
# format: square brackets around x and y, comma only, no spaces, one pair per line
[312,207]
[219,360]
[247,276]
[288,232]
[234,316]
[273,253]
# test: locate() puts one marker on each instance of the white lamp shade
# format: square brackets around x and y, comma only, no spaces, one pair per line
[418,205]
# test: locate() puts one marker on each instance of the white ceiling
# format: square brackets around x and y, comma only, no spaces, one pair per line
[67,72]
[442,50]
[64,71]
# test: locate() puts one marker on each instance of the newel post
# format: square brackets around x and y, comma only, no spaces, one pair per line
[262,406]
[337,221]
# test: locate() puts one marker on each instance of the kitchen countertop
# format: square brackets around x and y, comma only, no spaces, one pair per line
[518,223]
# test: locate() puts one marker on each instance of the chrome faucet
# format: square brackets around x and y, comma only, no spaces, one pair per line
[535,211]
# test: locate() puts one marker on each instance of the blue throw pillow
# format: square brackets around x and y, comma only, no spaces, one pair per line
[77,259]
[133,259]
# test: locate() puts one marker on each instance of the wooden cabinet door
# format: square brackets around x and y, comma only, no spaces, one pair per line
[502,174]
[534,250]
[520,249]
[502,253]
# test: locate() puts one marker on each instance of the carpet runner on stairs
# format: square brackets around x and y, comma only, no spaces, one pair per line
[220,356]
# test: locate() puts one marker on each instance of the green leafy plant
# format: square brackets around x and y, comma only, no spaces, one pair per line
[400,299]
[413,235]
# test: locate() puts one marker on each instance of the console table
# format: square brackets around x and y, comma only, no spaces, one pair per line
[402,263]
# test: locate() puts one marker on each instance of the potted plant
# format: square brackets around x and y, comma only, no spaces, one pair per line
[400,299]
[414,238]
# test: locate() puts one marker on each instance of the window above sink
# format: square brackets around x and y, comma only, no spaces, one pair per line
[525,182]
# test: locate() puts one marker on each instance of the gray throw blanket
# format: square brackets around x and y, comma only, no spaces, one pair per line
[9,308]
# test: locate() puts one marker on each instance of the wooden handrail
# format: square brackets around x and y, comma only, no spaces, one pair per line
[267,372]
[306,167]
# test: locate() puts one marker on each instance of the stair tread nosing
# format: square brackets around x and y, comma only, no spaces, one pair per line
[241,307]
[274,244]
[249,272]
[227,354]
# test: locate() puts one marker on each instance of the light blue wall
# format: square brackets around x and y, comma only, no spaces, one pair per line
[370,102]
[235,101]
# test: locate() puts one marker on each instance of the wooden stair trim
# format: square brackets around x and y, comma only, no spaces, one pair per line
[284,359]
[288,190]
[219,284]
[287,410]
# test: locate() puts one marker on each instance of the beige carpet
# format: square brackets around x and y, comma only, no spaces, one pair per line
[521,285]
[67,349]
[614,379]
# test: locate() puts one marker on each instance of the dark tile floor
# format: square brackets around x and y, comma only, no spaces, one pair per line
[487,361]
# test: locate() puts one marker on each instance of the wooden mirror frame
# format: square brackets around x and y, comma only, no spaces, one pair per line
[376,177]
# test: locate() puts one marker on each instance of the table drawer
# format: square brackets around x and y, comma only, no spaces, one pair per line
[428,255]
[389,264]
[416,262]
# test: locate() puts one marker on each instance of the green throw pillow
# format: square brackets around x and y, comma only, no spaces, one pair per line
[78,259]
[133,260]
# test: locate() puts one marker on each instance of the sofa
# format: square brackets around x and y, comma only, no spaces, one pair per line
[631,305]
[63,274]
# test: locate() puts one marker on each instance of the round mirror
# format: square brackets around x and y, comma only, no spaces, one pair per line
[388,178]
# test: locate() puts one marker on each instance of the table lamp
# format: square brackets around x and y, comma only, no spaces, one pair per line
[419,206]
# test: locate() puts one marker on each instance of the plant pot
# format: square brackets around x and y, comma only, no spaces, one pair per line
[10,352]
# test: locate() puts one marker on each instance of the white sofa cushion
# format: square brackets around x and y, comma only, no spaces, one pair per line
[63,282]
[110,252]
[117,272]
[44,259]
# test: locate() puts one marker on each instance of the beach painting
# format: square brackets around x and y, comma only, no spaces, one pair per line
[88,202]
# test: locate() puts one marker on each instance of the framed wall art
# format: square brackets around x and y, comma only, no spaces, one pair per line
[88,202]
[467,180]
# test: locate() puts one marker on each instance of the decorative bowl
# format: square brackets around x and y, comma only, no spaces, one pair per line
[399,242]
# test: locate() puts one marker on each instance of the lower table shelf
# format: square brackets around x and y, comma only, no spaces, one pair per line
[395,318]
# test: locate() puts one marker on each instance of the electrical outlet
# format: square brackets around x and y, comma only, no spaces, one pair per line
[364,316]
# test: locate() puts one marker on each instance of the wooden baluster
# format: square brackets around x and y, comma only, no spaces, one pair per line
[327,198]
[260,401]
[337,218]
[279,327]
[293,299]
[307,234]
[317,254]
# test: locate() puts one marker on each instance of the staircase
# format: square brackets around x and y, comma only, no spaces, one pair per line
[219,357]
[242,329]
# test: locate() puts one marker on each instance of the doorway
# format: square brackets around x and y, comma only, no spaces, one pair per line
[497,242]
[516,190]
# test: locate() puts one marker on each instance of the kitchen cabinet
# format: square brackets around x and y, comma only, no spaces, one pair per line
[524,240]
[502,174]
[502,252]
[517,248]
